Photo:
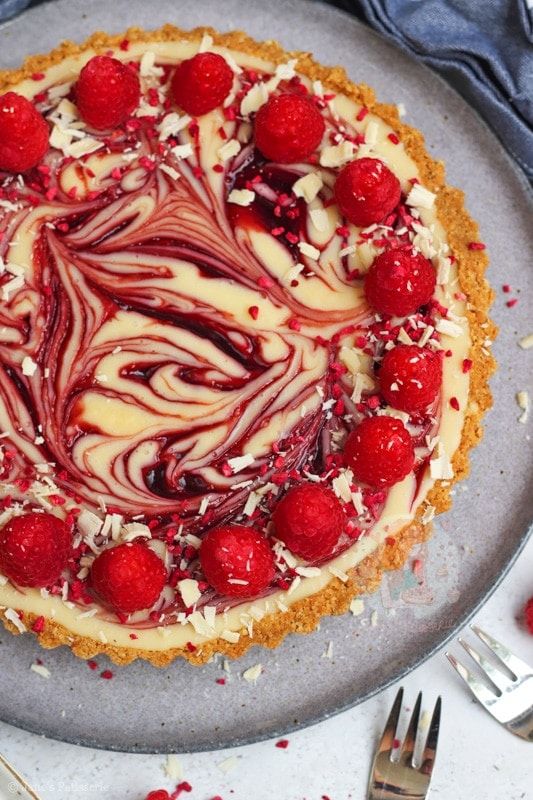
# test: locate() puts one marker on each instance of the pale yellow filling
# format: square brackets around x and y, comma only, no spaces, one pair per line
[121,422]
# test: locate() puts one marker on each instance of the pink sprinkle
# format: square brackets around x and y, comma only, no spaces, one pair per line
[116,174]
[277,231]
[393,138]
[133,636]
[294,325]
[338,408]
[191,647]
[362,114]
[282,744]
[218,168]
[253,311]
[511,303]
[92,664]
[124,45]
[467,365]
[454,403]
[477,246]
[106,674]
[264,283]
[184,786]
[51,193]
[396,743]
[221,681]
[38,625]
[37,76]
[506,288]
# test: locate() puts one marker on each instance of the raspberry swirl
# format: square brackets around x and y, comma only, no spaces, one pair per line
[157,371]
[187,333]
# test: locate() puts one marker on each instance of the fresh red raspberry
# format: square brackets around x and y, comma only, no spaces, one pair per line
[158,794]
[528,615]
[410,377]
[366,191]
[202,83]
[128,577]
[288,128]
[380,452]
[237,553]
[34,549]
[23,133]
[309,521]
[107,92]
[399,282]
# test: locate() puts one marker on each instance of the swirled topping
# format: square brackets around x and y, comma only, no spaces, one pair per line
[191,329]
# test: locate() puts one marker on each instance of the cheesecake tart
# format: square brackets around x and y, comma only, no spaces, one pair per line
[244,344]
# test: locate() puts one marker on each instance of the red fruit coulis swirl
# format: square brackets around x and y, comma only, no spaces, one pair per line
[144,384]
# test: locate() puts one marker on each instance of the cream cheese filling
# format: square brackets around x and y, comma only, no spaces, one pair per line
[403,499]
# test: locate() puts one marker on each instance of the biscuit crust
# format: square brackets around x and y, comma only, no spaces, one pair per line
[303,616]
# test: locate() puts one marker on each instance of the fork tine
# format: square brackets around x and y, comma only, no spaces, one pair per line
[389,732]
[478,689]
[430,748]
[500,681]
[409,742]
[512,662]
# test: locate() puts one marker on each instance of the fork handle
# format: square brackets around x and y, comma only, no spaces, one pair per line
[12,784]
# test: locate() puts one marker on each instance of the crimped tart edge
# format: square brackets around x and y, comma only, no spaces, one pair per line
[304,615]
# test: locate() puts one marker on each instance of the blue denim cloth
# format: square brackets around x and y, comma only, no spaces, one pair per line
[8,8]
[483,47]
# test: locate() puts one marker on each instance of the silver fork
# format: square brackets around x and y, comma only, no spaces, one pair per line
[511,699]
[394,771]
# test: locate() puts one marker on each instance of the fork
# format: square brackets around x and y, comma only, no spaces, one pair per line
[401,776]
[511,699]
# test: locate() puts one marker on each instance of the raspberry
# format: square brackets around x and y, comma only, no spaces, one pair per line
[288,128]
[366,191]
[309,520]
[380,451]
[34,549]
[410,377]
[128,577]
[528,615]
[107,92]
[399,282]
[23,133]
[202,83]
[237,553]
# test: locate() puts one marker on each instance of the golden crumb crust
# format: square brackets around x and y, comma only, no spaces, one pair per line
[304,615]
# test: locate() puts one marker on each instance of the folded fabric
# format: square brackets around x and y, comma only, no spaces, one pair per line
[8,8]
[483,47]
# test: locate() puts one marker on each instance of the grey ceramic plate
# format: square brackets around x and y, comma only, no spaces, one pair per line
[182,708]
